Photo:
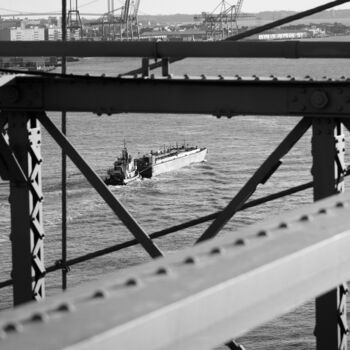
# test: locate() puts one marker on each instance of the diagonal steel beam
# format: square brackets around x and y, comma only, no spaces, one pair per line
[259,177]
[101,188]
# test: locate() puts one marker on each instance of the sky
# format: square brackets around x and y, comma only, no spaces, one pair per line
[161,6]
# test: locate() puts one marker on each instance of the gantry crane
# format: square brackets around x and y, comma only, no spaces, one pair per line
[74,22]
[123,25]
[134,18]
[222,21]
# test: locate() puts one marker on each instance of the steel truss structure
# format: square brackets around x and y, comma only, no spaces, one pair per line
[203,313]
[320,101]
[197,298]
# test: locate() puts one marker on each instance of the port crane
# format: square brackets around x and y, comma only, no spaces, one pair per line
[134,18]
[74,22]
[222,21]
[120,22]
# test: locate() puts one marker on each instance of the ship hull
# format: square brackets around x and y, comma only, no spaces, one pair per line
[120,182]
[175,164]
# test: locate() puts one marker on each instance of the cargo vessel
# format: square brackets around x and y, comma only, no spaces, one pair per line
[169,159]
[124,170]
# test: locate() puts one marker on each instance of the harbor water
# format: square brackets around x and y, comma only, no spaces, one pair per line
[236,147]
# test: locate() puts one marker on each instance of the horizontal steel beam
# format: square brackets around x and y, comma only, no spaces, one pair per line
[218,96]
[198,298]
[282,49]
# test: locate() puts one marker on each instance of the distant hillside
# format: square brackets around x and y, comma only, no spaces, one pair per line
[270,15]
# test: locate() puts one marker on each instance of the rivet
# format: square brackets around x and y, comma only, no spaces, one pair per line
[283,225]
[13,327]
[262,233]
[132,282]
[190,260]
[216,251]
[240,241]
[340,205]
[305,218]
[162,271]
[103,294]
[40,317]
[322,211]
[65,307]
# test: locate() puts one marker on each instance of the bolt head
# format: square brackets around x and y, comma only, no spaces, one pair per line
[319,99]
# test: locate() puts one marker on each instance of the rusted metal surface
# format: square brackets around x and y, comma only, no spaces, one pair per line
[200,297]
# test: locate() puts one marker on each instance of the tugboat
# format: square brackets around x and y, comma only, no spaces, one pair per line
[124,170]
[169,159]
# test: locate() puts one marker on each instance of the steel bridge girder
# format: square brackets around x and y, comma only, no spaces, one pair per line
[218,96]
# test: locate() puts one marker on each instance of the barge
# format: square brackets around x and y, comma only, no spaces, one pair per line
[169,159]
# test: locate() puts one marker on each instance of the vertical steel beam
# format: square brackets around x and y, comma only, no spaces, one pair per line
[26,210]
[145,67]
[328,148]
[165,67]
[64,161]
